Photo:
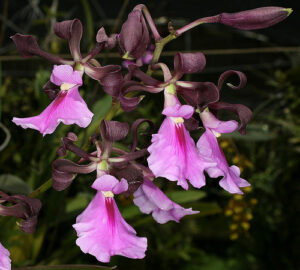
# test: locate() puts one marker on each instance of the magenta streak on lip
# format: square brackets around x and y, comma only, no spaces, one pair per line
[56,103]
[109,203]
[181,139]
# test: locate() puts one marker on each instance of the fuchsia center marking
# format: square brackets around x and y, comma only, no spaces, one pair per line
[179,129]
[56,102]
[109,203]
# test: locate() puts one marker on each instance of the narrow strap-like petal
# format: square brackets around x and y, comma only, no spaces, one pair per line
[134,130]
[97,73]
[28,47]
[64,171]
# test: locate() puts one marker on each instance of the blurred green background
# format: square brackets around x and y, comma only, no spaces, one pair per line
[259,230]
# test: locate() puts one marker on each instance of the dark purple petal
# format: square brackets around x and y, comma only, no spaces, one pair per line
[187,63]
[130,103]
[224,76]
[67,144]
[134,130]
[123,160]
[198,94]
[191,124]
[242,111]
[97,73]
[23,207]
[71,31]
[146,79]
[134,36]
[33,208]
[112,82]
[255,18]
[113,130]
[133,175]
[51,90]
[93,52]
[28,47]
[64,171]
[109,42]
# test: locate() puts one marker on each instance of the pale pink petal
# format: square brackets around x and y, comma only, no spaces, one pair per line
[110,183]
[185,111]
[65,74]
[5,261]
[231,180]
[150,199]
[102,231]
[211,122]
[68,107]
[173,155]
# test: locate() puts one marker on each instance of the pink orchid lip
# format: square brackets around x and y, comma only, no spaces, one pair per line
[5,261]
[101,230]
[209,148]
[150,199]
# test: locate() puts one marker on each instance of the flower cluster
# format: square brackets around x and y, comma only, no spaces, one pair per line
[172,153]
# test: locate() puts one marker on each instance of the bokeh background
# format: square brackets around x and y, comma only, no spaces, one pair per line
[259,230]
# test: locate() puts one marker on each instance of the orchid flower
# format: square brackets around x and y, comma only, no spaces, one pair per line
[173,153]
[67,107]
[208,147]
[71,30]
[101,230]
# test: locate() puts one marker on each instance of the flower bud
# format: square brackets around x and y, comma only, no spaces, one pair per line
[255,18]
[134,36]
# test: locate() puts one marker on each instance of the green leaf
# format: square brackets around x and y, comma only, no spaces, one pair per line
[79,202]
[131,211]
[65,266]
[13,184]
[185,196]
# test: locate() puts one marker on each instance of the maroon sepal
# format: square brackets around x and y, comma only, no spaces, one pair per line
[242,111]
[51,90]
[28,47]
[67,144]
[112,82]
[198,94]
[191,124]
[109,42]
[64,171]
[187,63]
[23,207]
[70,30]
[130,103]
[134,130]
[133,175]
[113,130]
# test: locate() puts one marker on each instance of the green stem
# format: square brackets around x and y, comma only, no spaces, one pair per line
[41,189]
[159,46]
